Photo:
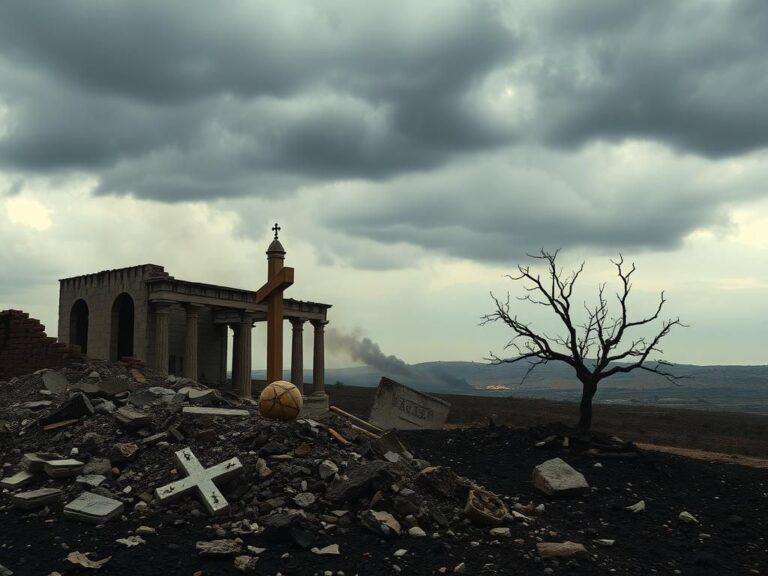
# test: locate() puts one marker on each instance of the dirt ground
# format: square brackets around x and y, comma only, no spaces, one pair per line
[726,433]
[729,501]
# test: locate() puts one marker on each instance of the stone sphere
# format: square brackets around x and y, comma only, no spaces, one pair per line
[280,400]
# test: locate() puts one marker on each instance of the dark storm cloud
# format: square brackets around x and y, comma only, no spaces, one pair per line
[690,74]
[497,211]
[433,110]
[154,97]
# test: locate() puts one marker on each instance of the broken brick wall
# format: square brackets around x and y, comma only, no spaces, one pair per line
[25,347]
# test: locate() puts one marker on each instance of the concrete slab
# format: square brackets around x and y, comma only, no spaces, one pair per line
[316,407]
[63,468]
[17,480]
[55,381]
[201,480]
[115,386]
[403,408]
[205,411]
[132,418]
[37,404]
[92,480]
[35,461]
[93,508]
[36,498]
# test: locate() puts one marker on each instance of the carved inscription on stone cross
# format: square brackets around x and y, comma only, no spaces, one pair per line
[201,480]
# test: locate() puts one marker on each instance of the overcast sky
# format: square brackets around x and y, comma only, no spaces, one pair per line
[413,153]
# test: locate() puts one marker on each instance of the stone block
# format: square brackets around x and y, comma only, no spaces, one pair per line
[17,480]
[132,418]
[315,407]
[398,406]
[557,478]
[36,498]
[63,468]
[205,411]
[93,508]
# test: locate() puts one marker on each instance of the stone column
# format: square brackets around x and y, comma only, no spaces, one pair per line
[297,353]
[235,355]
[318,362]
[242,378]
[223,345]
[162,309]
[191,344]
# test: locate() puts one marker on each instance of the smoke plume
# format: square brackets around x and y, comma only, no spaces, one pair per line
[362,349]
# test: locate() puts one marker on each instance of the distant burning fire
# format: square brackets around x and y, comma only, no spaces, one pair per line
[496,387]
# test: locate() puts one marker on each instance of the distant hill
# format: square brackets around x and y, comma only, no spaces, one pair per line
[736,388]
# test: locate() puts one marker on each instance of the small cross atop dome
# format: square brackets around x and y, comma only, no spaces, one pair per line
[275,248]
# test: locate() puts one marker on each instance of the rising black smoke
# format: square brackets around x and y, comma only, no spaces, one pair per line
[363,349]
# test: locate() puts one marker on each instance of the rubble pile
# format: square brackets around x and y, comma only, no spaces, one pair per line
[115,468]
[100,442]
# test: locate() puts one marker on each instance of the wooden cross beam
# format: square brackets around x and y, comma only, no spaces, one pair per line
[279,278]
[200,479]
[275,285]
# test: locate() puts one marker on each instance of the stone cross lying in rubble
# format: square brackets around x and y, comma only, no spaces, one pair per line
[202,480]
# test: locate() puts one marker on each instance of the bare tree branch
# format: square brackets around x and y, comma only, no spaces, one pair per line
[597,337]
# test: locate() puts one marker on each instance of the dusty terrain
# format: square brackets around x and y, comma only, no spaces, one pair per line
[282,506]
[722,432]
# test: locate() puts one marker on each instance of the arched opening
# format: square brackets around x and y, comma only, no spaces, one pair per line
[78,325]
[122,327]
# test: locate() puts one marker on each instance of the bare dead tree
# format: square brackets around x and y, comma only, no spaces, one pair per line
[597,348]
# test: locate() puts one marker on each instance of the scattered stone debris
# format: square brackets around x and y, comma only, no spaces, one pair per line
[556,478]
[159,458]
[219,547]
[561,550]
[246,563]
[93,508]
[81,559]
[36,498]
[688,518]
[131,541]
[330,550]
[637,507]
[19,479]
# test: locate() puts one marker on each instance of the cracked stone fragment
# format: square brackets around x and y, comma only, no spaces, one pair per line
[688,518]
[36,498]
[63,468]
[18,480]
[561,550]
[246,563]
[359,482]
[93,508]
[218,547]
[379,522]
[556,478]
[330,550]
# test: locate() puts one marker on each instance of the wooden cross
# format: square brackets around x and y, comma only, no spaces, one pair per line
[279,278]
[202,480]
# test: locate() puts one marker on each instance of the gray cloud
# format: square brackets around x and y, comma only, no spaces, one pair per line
[685,73]
[496,211]
[156,98]
[471,129]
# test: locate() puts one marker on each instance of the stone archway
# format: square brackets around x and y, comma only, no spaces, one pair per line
[121,340]
[78,325]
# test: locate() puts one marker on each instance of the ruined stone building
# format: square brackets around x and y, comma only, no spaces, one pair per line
[180,327]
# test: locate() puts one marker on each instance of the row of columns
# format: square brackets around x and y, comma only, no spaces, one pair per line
[241,349]
[162,310]
[241,356]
